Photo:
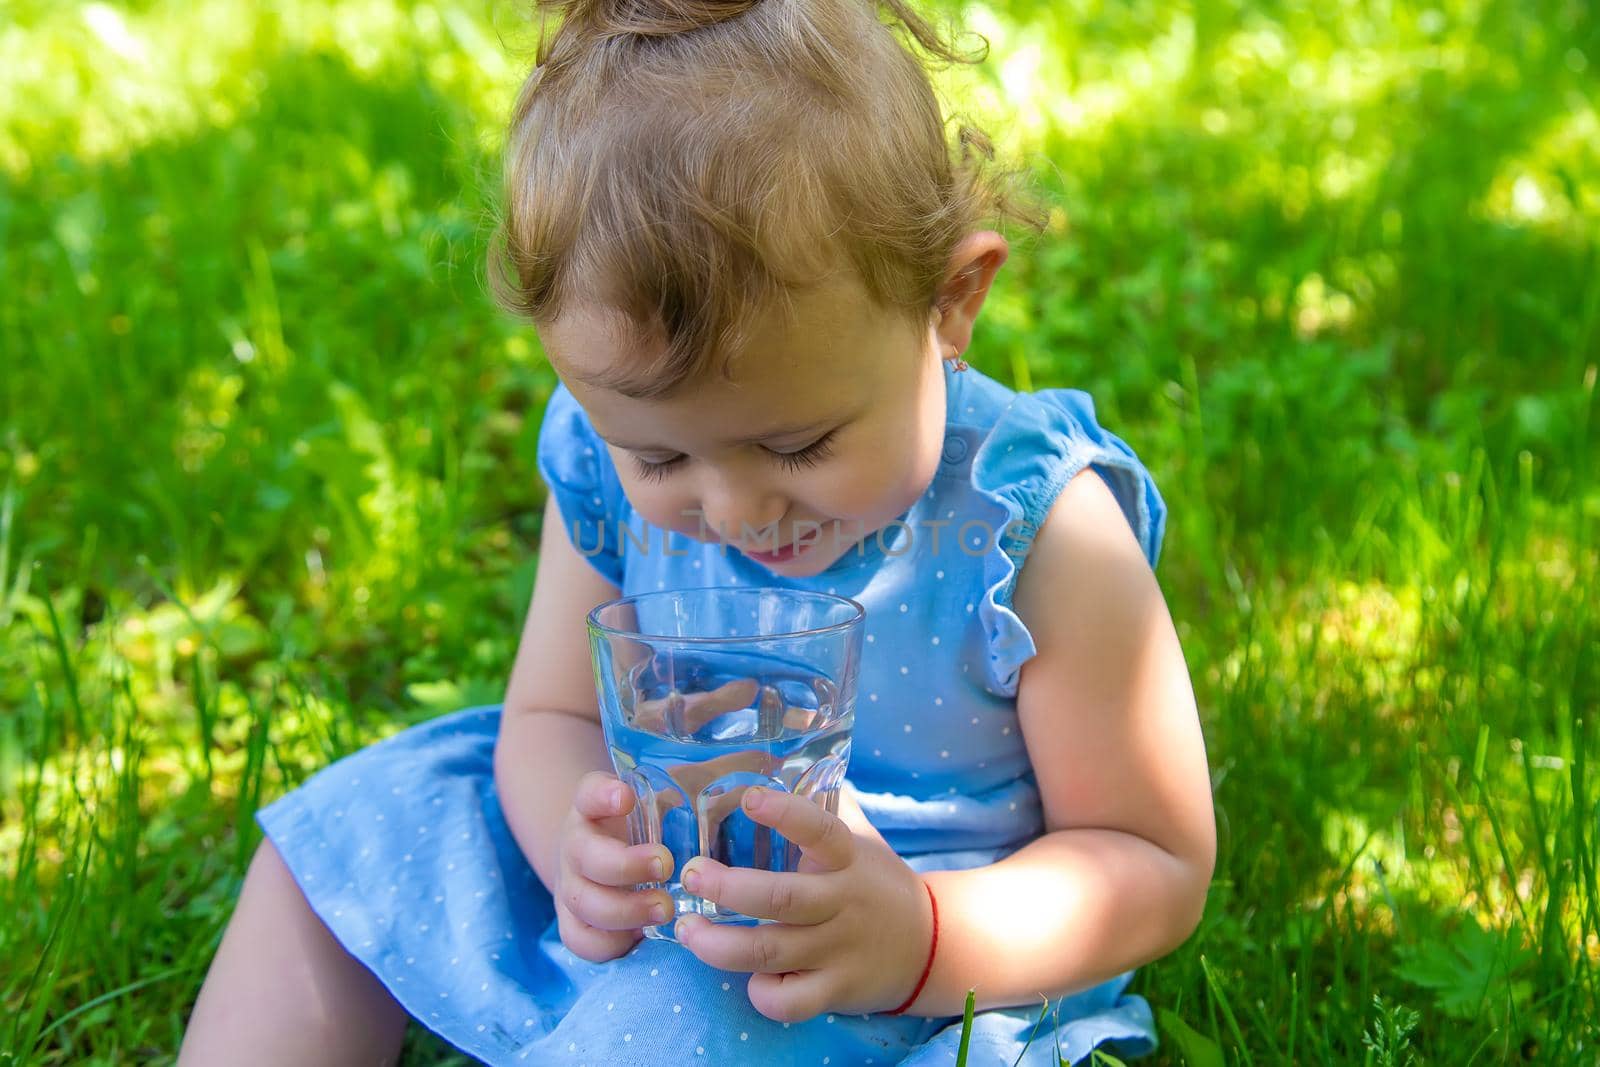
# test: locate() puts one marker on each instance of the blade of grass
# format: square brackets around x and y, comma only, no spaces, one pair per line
[251,781]
[1294,1014]
[1214,984]
[966,1028]
[205,716]
[35,995]
[107,997]
[69,674]
[1043,1011]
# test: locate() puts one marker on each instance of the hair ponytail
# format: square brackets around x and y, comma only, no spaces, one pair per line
[643,18]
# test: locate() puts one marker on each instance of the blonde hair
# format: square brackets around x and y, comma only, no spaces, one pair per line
[690,162]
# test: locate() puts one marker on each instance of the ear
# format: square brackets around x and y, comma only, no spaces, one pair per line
[971,270]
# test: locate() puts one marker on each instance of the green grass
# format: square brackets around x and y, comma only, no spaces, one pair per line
[267,485]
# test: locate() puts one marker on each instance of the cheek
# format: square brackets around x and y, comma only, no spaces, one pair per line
[661,505]
[917,447]
[916,472]
[888,472]
[881,484]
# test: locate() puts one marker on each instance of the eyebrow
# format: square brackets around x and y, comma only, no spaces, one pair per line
[788,431]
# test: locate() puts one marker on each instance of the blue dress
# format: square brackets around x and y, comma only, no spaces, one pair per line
[403,852]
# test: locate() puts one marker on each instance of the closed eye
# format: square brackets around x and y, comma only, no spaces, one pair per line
[809,456]
[655,472]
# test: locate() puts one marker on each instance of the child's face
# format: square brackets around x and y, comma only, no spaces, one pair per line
[829,429]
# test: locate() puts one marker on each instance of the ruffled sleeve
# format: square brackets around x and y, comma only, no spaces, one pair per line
[578,471]
[1040,443]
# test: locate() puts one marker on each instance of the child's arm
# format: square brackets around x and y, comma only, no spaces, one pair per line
[557,789]
[1119,878]
[1109,719]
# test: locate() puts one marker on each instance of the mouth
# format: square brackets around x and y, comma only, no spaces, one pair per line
[782,555]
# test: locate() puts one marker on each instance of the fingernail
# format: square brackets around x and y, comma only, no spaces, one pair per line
[658,914]
[752,798]
[616,796]
[691,879]
[658,868]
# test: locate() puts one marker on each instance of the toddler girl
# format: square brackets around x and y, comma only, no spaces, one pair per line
[755,264]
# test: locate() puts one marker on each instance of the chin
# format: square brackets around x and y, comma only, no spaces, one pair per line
[812,563]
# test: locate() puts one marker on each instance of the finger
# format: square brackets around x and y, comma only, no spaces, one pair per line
[822,836]
[652,715]
[855,818]
[596,946]
[688,712]
[799,718]
[601,795]
[795,899]
[718,808]
[608,861]
[607,908]
[701,708]
[767,948]
[692,778]
[789,998]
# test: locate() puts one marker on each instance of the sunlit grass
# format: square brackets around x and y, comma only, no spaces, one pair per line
[100,80]
[1555,185]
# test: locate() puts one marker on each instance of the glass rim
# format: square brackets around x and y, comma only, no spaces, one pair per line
[596,627]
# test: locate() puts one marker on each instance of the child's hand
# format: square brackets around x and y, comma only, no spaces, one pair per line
[599,913]
[852,926]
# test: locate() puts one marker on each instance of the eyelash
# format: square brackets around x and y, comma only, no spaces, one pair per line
[809,456]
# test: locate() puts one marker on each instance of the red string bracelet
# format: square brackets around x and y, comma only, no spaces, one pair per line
[928,969]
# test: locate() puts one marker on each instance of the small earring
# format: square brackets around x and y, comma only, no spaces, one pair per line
[960,366]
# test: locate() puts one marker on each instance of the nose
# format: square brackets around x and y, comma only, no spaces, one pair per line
[742,510]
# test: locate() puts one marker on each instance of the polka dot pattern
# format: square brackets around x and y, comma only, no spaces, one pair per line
[405,853]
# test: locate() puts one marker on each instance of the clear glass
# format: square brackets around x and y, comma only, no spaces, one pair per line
[707,692]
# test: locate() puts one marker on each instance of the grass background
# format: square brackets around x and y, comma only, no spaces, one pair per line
[267,489]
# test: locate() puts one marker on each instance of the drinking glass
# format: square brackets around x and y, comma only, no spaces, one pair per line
[706,692]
